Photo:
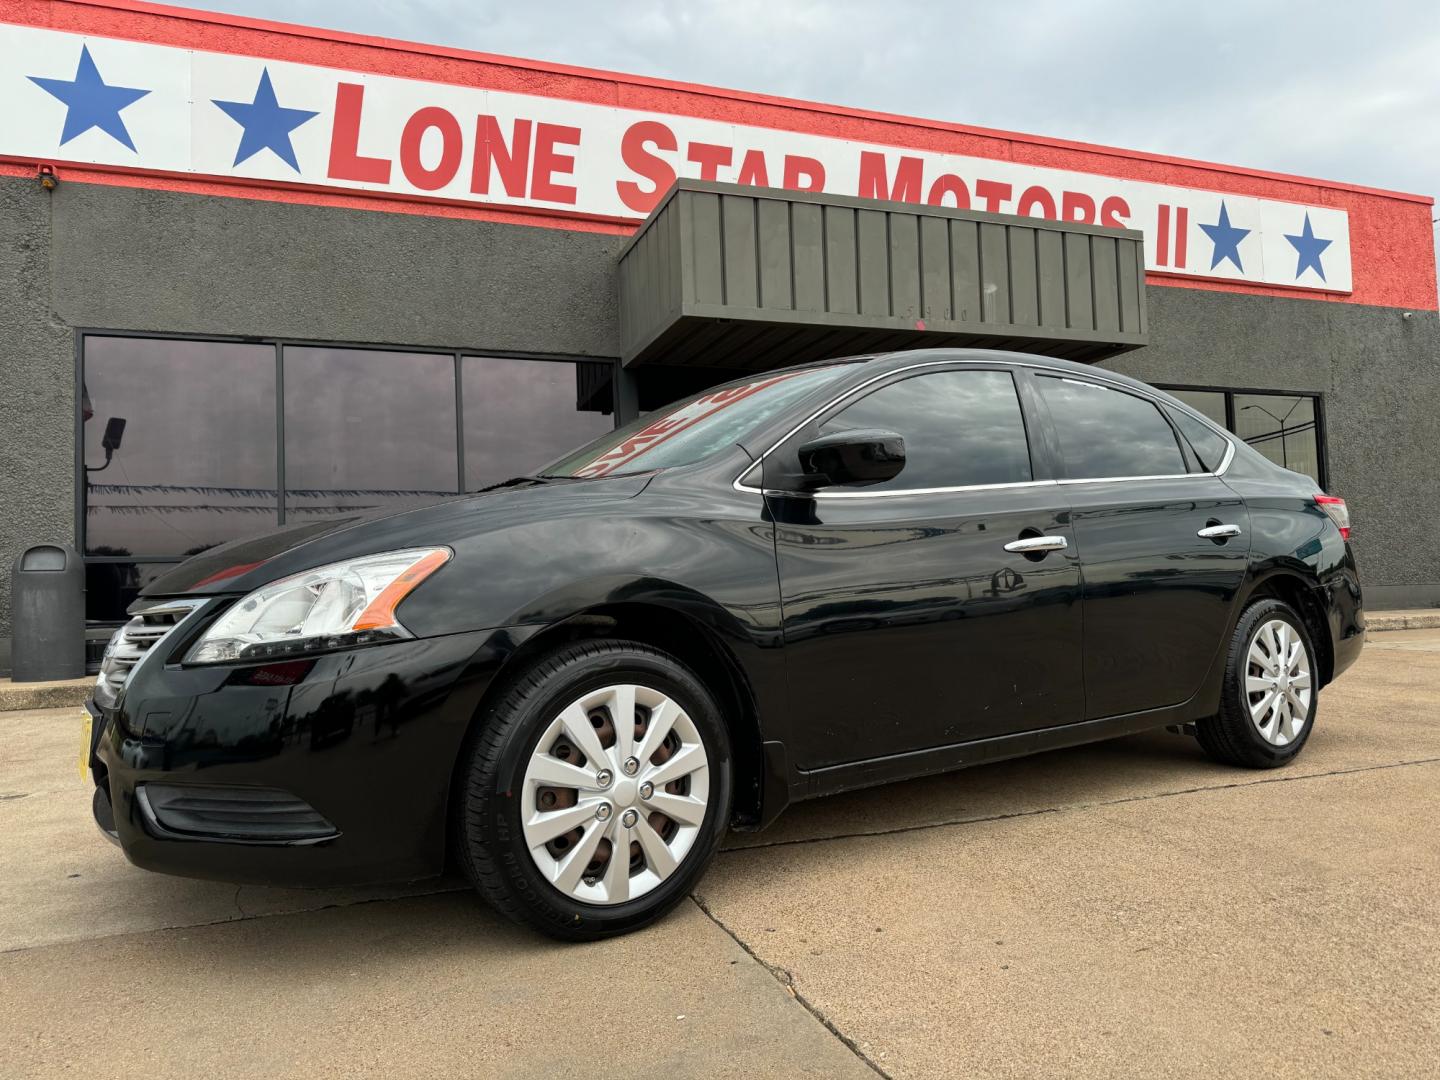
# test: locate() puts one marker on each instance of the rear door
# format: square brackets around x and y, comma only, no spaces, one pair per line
[1164,544]
[908,624]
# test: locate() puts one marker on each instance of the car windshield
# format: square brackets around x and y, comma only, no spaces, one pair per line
[692,429]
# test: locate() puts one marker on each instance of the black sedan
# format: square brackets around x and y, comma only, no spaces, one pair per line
[811,580]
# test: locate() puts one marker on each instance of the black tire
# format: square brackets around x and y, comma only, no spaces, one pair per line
[1230,737]
[490,840]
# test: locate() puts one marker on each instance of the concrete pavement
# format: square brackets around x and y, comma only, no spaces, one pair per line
[1127,909]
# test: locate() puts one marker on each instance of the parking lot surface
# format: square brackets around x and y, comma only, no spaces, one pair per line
[1125,909]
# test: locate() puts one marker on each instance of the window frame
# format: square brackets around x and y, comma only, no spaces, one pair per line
[1322,440]
[279,345]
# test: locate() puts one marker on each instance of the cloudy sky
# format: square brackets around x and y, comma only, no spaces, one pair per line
[1326,89]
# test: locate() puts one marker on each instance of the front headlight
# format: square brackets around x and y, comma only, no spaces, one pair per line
[331,607]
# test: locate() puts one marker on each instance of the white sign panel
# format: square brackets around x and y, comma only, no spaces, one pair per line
[72,98]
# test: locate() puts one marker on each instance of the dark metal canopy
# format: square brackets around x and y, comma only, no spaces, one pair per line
[748,279]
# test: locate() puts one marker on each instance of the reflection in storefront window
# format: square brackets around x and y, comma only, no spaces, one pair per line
[181,450]
[179,442]
[1286,428]
[1210,403]
[367,430]
[519,414]
[1281,428]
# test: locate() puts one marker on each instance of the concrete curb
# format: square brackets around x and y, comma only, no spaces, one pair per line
[1417,619]
[44,695]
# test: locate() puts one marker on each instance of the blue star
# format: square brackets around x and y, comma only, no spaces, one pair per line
[1226,239]
[266,123]
[1308,246]
[90,103]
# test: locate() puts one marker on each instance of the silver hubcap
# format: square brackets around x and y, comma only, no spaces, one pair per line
[605,841]
[1278,684]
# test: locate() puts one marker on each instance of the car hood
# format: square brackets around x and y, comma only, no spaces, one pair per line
[243,565]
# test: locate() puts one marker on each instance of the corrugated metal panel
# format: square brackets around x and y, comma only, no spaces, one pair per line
[755,278]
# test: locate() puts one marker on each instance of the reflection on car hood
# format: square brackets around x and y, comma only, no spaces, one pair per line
[243,565]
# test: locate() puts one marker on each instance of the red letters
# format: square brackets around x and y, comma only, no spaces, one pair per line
[346,163]
[710,158]
[548,163]
[639,159]
[512,162]
[949,184]
[450,148]
[753,170]
[1114,211]
[1077,206]
[812,172]
[994,193]
[874,184]
[1033,197]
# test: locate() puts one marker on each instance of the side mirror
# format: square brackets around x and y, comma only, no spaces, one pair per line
[859,457]
[114,433]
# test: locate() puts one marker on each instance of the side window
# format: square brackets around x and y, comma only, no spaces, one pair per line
[1106,432]
[960,428]
[1209,445]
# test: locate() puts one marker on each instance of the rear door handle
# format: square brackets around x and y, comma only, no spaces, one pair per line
[1219,532]
[1031,544]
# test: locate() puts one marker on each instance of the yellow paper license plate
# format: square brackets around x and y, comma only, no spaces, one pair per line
[85,747]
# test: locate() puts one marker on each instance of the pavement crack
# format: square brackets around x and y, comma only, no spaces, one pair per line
[786,978]
[1071,807]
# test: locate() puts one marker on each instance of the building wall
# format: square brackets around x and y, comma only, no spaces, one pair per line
[121,258]
[1379,371]
[37,391]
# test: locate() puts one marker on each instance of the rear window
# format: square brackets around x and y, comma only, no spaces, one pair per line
[1108,433]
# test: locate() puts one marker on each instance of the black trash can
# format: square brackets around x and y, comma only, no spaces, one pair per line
[47,606]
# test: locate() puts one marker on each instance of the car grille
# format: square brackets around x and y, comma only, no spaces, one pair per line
[132,642]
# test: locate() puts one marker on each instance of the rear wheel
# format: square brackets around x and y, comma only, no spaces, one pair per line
[597,790]
[1271,690]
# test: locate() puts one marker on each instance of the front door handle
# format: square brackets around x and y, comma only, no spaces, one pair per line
[1029,545]
[1219,532]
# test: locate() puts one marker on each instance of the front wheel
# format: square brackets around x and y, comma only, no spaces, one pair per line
[596,791]
[1270,693]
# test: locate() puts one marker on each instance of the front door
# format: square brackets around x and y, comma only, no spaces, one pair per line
[1164,543]
[908,624]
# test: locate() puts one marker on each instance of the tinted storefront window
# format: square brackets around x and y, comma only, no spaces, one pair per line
[1282,428]
[367,430]
[195,465]
[194,426]
[1286,428]
[111,587]
[520,414]
[1210,403]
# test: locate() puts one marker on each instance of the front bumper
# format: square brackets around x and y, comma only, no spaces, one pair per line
[367,738]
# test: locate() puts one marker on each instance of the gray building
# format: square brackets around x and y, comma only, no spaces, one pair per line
[277,354]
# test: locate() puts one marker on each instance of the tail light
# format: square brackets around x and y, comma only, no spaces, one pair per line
[1337,511]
